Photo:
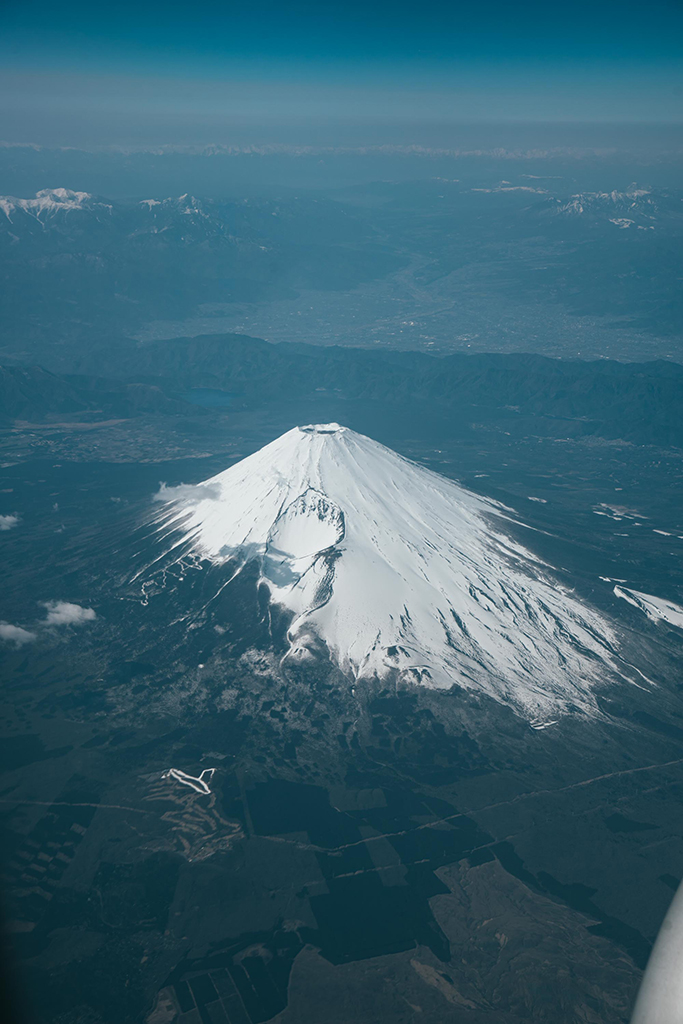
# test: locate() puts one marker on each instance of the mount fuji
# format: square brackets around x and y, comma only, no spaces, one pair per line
[396,570]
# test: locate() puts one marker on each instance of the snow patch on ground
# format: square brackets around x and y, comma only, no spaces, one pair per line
[656,608]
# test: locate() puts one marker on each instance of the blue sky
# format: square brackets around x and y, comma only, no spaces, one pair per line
[109,72]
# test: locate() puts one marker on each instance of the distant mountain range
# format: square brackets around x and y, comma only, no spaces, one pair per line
[62,220]
[64,211]
[642,403]
[76,268]
[33,394]
[72,264]
[643,209]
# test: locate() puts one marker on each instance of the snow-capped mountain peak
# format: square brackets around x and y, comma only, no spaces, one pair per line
[46,203]
[397,569]
[186,205]
[638,208]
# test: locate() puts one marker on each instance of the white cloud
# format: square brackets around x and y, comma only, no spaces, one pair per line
[63,613]
[193,493]
[15,634]
[7,522]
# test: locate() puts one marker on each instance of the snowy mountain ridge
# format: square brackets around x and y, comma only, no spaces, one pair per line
[396,569]
[48,202]
[642,208]
[185,205]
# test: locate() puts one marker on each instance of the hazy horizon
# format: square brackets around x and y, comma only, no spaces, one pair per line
[152,74]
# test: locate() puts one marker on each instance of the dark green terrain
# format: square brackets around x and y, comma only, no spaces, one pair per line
[363,854]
